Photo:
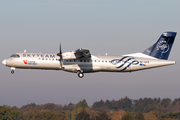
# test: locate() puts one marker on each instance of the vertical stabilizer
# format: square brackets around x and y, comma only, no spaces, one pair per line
[162,47]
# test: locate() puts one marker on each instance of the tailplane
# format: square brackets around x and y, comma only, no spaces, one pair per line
[162,47]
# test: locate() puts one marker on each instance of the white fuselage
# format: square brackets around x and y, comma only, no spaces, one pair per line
[94,64]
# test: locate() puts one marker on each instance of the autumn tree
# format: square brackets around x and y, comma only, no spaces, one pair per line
[102,116]
[118,115]
[167,119]
[150,116]
[49,106]
[61,116]
[157,114]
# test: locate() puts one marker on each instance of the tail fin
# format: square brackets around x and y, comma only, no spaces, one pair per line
[162,47]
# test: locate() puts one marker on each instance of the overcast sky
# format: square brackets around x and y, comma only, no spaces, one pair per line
[115,27]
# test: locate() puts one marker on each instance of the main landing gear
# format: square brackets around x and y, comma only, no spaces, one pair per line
[80,73]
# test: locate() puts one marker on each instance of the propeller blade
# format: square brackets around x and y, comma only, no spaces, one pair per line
[60,50]
[60,54]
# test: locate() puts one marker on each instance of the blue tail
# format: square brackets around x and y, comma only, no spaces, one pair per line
[162,47]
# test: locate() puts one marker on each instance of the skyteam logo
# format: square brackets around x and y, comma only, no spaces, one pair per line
[124,62]
[29,62]
[162,46]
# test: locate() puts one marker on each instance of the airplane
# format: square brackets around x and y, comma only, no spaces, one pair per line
[81,61]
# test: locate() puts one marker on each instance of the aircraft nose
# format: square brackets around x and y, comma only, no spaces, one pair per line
[4,62]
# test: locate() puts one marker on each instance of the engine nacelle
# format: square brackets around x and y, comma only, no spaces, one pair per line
[68,55]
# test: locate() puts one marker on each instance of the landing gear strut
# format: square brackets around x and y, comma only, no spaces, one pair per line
[80,74]
[12,70]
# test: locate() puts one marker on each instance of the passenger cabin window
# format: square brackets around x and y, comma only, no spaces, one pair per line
[15,56]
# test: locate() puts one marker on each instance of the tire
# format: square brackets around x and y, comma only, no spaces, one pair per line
[12,71]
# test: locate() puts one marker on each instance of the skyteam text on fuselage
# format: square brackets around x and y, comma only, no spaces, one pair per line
[81,61]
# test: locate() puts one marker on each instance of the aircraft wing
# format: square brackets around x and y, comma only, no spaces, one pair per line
[82,53]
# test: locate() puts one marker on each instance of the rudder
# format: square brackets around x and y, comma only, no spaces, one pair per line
[162,47]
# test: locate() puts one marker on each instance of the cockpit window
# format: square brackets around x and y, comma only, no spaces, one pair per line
[15,55]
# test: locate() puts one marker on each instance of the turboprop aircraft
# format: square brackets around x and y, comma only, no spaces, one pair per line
[81,61]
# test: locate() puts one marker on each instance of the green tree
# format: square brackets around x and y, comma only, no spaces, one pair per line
[127,117]
[73,115]
[38,115]
[31,105]
[65,107]
[108,104]
[8,113]
[82,104]
[157,114]
[48,115]
[68,115]
[145,105]
[30,116]
[165,102]
[139,116]
[49,106]
[175,115]
[114,105]
[83,115]
[125,104]
[71,106]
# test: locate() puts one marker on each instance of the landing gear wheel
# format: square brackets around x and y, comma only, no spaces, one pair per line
[80,74]
[12,71]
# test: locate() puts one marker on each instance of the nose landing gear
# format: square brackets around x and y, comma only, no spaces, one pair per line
[12,70]
[80,74]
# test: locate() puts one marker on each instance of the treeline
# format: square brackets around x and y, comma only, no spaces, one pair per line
[123,109]
[143,105]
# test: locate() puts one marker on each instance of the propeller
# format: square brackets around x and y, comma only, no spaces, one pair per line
[60,55]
